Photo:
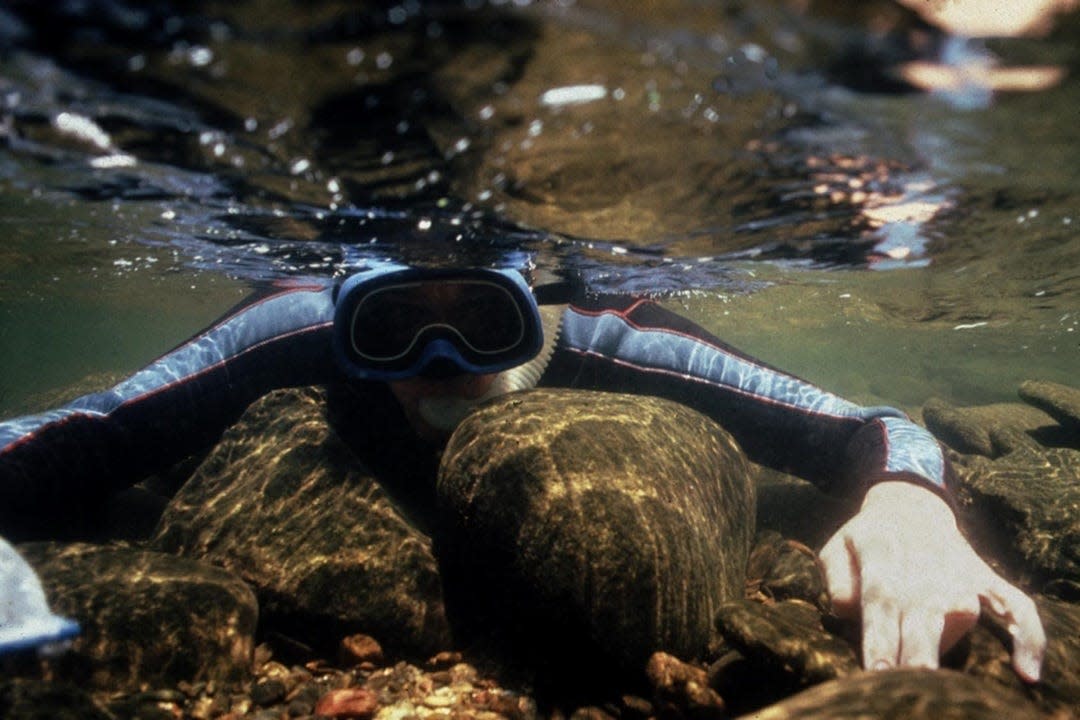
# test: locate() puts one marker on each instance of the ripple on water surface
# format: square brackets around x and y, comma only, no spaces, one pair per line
[750,164]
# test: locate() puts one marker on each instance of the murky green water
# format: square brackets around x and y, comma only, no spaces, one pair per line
[760,167]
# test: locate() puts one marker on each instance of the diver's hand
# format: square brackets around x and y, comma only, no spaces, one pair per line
[902,564]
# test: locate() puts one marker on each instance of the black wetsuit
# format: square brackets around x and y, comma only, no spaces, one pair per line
[182,402]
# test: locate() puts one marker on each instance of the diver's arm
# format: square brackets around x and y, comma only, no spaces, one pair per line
[103,442]
[778,419]
[900,566]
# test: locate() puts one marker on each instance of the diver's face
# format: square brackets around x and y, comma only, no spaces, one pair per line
[435,406]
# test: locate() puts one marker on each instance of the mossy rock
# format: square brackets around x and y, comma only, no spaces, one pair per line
[283,503]
[584,531]
[146,617]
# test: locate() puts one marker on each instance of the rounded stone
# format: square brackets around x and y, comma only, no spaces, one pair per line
[1020,510]
[583,531]
[146,617]
[282,502]
[1059,401]
[915,694]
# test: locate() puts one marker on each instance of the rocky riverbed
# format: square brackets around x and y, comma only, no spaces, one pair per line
[281,582]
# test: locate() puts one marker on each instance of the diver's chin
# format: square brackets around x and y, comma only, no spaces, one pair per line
[443,413]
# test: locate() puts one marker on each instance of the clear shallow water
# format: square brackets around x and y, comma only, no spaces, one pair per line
[79,297]
[841,332]
[746,163]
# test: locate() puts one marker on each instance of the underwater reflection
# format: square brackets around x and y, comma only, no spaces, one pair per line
[967,73]
[992,18]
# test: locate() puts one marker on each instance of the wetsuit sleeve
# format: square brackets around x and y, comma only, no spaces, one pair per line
[780,420]
[179,404]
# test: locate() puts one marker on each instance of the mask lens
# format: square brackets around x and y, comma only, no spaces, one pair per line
[391,322]
[487,318]
[387,322]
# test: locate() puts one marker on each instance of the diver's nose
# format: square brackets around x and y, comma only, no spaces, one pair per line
[441,368]
[440,361]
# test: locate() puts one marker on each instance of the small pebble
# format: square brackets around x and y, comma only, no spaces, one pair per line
[636,707]
[202,709]
[274,669]
[682,684]
[444,660]
[241,706]
[441,677]
[441,698]
[300,707]
[268,691]
[463,674]
[357,649]
[347,703]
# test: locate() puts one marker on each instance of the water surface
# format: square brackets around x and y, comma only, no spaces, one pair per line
[765,169]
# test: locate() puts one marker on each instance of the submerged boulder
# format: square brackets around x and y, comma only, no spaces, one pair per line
[35,699]
[985,654]
[146,617]
[903,693]
[773,650]
[1018,482]
[1048,417]
[987,430]
[787,635]
[1021,511]
[584,531]
[1018,504]
[283,503]
[1059,401]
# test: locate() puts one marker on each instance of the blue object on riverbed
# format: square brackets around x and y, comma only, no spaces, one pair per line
[26,622]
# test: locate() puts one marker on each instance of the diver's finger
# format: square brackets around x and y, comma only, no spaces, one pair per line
[1022,618]
[840,575]
[920,637]
[880,629]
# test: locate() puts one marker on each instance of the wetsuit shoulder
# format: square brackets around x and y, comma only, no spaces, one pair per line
[56,463]
[781,420]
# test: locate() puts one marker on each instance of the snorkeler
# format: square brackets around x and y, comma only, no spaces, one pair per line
[407,352]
